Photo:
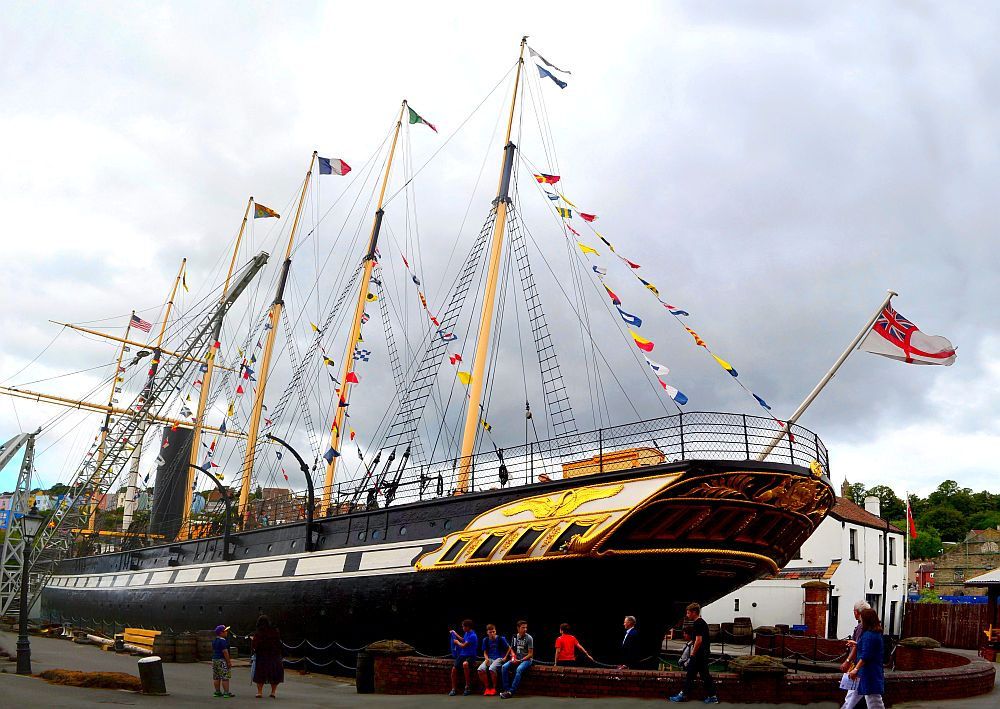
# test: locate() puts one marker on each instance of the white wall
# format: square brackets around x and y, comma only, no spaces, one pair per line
[782,601]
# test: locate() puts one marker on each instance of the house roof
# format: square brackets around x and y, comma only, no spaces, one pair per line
[990,578]
[847,511]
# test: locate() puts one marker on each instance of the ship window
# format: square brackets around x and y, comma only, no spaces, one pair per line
[447,524]
[570,532]
[453,552]
[361,536]
[523,545]
[402,531]
[269,547]
[293,544]
[377,534]
[484,550]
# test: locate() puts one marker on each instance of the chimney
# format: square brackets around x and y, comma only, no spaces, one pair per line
[872,505]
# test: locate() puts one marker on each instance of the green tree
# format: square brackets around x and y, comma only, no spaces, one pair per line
[984,520]
[951,523]
[949,493]
[891,507]
[929,595]
[927,545]
[856,493]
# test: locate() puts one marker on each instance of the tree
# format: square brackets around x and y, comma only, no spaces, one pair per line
[929,595]
[891,507]
[984,520]
[951,523]
[949,493]
[856,493]
[927,545]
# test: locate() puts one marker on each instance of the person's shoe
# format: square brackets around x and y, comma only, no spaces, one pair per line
[679,697]
[467,692]
[506,695]
[452,693]
[218,694]
[712,700]
[228,695]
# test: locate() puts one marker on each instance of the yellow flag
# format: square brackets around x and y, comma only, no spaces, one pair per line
[315,327]
[232,409]
[586,249]
[486,425]
[464,377]
[371,297]
[566,200]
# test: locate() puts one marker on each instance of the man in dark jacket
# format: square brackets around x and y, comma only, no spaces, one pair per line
[630,645]
[699,658]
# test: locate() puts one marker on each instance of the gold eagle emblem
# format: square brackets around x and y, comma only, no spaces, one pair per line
[563,503]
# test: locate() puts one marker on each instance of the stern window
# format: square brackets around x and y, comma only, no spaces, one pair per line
[523,545]
[570,532]
[453,552]
[484,550]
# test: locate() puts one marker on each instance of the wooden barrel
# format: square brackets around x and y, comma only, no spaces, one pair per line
[205,638]
[163,645]
[742,631]
[186,648]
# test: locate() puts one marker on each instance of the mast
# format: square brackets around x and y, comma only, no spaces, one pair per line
[273,319]
[105,427]
[206,383]
[347,366]
[140,433]
[472,414]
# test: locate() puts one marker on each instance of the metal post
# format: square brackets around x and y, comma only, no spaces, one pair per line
[228,502]
[681,418]
[791,447]
[600,450]
[746,437]
[310,493]
[23,645]
[531,461]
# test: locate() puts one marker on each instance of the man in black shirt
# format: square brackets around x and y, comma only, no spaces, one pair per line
[699,658]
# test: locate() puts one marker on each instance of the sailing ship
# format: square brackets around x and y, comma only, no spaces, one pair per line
[630,518]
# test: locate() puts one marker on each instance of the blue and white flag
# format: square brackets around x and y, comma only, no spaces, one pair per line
[545,73]
[630,319]
[661,370]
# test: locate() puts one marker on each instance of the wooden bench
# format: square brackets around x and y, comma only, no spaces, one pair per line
[140,639]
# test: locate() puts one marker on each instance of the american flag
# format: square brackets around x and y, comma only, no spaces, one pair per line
[138,322]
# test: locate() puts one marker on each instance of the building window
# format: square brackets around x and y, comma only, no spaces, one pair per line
[960,574]
[854,545]
[736,605]
[892,551]
[881,549]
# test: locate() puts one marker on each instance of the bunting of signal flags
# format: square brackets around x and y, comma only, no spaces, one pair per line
[635,321]
[547,73]
[423,299]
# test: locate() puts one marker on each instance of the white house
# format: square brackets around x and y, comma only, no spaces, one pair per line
[852,555]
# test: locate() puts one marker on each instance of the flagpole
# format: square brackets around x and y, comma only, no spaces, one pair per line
[827,377]
[347,366]
[206,385]
[274,319]
[472,414]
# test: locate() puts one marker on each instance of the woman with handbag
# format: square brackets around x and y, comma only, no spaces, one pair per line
[268,667]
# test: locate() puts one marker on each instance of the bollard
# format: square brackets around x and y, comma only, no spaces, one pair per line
[365,675]
[151,676]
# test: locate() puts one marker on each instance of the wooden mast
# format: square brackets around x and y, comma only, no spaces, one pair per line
[206,383]
[273,319]
[133,474]
[347,365]
[473,417]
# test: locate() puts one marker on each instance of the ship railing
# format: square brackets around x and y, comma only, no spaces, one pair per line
[681,437]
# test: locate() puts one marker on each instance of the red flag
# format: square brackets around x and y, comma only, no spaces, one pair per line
[455,358]
[909,520]
[587,217]
[351,378]
[614,298]
[631,264]
[239,389]
[547,179]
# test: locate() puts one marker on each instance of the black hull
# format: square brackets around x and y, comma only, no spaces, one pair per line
[650,566]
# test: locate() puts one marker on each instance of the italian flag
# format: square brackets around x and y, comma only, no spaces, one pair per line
[416,118]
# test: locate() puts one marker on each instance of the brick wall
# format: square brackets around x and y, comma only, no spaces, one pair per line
[421,675]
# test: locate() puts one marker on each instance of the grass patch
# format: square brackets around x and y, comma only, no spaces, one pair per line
[96,680]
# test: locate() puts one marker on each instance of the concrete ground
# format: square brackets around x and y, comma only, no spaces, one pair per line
[191,685]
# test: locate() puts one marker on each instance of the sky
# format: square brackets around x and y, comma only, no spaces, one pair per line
[774,166]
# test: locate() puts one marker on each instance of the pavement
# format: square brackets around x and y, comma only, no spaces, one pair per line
[191,685]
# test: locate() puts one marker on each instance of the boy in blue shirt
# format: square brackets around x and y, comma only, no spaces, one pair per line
[495,650]
[222,666]
[465,656]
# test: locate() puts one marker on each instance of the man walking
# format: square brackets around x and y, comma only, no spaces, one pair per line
[853,698]
[522,650]
[699,658]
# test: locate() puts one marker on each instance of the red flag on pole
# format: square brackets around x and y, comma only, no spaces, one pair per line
[909,520]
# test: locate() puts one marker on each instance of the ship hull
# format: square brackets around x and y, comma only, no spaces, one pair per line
[691,531]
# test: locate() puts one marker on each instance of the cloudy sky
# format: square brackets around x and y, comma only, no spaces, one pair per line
[774,167]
